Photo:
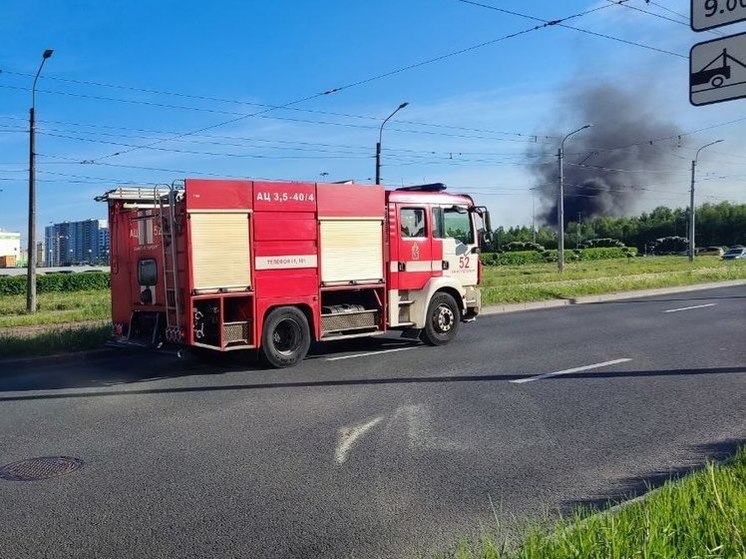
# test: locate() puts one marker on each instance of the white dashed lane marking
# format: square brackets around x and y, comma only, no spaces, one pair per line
[569,371]
[369,353]
[691,308]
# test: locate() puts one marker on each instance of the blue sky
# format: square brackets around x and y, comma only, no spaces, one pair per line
[129,74]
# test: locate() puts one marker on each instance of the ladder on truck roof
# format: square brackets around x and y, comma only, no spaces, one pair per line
[166,206]
[135,196]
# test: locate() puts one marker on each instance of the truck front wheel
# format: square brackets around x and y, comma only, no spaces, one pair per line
[286,337]
[442,320]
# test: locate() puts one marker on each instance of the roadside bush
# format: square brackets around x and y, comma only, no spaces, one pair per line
[515,258]
[670,245]
[570,255]
[606,253]
[520,246]
[605,242]
[48,283]
[532,257]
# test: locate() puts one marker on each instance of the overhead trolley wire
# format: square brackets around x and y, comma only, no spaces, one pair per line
[661,16]
[559,23]
[358,82]
[249,103]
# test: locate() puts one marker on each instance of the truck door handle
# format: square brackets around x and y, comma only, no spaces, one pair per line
[444,264]
[401,266]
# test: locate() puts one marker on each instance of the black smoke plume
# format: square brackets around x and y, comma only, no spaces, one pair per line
[612,166]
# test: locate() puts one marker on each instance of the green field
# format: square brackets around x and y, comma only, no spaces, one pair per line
[700,516]
[56,308]
[541,282]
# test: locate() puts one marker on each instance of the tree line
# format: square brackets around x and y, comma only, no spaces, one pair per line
[722,224]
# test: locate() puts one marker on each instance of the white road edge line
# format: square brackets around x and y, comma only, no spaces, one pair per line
[353,356]
[573,370]
[348,436]
[691,308]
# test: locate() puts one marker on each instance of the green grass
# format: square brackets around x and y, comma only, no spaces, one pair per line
[700,516]
[55,308]
[54,340]
[540,282]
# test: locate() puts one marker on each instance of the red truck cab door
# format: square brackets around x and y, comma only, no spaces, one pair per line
[415,250]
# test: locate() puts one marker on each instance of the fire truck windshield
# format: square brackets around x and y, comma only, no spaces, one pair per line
[455,223]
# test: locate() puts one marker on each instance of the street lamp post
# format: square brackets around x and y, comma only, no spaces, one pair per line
[561,201]
[692,248]
[31,263]
[378,145]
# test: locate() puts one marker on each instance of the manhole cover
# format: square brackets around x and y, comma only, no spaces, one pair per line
[40,468]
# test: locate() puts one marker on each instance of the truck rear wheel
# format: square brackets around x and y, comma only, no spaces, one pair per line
[286,337]
[442,320]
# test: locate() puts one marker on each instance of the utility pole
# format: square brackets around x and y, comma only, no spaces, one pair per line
[31,261]
[577,241]
[380,137]
[561,202]
[692,246]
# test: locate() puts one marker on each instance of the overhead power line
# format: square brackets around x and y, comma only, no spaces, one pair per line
[545,23]
[363,81]
[660,16]
[241,102]
[558,23]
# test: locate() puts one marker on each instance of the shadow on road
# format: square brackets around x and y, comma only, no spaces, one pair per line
[629,488]
[98,381]
[669,300]
[126,367]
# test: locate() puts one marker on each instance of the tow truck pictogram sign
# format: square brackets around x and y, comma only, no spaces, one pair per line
[717,70]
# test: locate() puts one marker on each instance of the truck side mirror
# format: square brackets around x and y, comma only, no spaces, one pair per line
[485,239]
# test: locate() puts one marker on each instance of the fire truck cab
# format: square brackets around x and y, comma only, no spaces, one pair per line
[228,265]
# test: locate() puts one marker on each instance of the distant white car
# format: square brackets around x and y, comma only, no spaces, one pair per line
[735,254]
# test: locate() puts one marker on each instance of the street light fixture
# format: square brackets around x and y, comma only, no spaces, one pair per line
[31,263]
[692,248]
[378,145]
[561,201]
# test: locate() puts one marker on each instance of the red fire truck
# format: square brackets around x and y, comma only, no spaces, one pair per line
[229,265]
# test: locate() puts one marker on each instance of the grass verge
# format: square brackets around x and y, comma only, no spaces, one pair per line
[56,308]
[702,515]
[541,282]
[54,340]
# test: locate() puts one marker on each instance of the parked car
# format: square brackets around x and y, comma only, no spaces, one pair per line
[735,253]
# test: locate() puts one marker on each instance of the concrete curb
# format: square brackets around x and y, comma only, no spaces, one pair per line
[553,303]
[487,311]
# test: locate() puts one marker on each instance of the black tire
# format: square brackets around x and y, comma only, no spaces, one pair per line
[442,320]
[286,337]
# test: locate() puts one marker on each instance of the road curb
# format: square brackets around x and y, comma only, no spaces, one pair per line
[591,299]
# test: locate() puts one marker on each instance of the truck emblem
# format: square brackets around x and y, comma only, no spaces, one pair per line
[415,251]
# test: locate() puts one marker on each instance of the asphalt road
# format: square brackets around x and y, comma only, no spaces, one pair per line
[395,453]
